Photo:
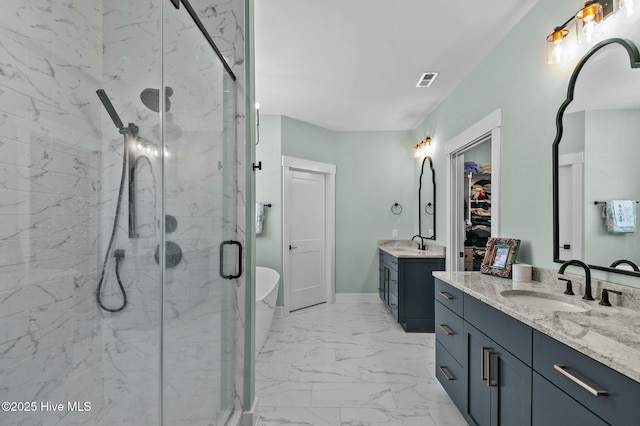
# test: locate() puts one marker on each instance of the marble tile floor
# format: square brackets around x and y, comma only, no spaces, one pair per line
[349,364]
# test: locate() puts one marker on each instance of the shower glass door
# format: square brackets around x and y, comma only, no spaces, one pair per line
[199,182]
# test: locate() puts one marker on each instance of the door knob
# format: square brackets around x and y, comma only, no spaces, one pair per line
[292,247]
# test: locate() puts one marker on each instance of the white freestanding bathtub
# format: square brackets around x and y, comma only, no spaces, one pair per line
[267,281]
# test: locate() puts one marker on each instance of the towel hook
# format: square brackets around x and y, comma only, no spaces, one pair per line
[428,209]
[396,209]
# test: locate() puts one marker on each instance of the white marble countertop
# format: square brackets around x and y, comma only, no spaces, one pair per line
[409,249]
[610,335]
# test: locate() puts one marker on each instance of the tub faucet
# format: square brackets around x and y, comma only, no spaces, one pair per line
[587,276]
[421,243]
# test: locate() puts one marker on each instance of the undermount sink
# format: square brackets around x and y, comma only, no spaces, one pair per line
[544,301]
[408,250]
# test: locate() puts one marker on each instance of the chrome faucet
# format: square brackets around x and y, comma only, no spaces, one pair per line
[421,244]
[587,276]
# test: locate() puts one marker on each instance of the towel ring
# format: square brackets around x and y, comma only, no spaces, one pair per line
[396,209]
[428,209]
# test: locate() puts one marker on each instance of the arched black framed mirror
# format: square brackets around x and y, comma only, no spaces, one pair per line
[599,127]
[429,208]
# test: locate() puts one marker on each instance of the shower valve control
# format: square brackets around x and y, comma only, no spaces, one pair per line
[118,254]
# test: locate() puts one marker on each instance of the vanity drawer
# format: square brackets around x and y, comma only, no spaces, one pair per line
[452,377]
[393,305]
[449,332]
[390,261]
[552,407]
[620,404]
[508,332]
[393,281]
[449,296]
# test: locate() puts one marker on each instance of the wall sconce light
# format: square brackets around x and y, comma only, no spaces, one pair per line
[422,149]
[561,43]
[556,52]
[587,20]
[625,7]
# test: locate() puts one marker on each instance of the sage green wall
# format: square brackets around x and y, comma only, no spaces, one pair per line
[304,140]
[269,190]
[374,171]
[573,133]
[516,78]
[611,155]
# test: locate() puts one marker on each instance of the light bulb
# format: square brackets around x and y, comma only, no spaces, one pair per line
[257,105]
[166,153]
[155,152]
[139,146]
[557,52]
[148,149]
[589,29]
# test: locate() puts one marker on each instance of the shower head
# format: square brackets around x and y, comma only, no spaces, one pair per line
[110,109]
[151,98]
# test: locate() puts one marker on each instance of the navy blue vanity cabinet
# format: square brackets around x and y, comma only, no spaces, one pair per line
[383,271]
[607,394]
[498,360]
[406,287]
[553,407]
[516,375]
[450,348]
[499,384]
[415,282]
[388,282]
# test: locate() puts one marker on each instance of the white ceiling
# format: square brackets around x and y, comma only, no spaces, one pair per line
[353,64]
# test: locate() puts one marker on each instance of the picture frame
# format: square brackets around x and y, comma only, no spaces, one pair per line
[500,255]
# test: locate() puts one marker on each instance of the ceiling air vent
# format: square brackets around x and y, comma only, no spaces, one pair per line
[426,79]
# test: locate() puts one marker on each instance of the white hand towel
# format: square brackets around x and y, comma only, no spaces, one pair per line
[621,216]
[259,218]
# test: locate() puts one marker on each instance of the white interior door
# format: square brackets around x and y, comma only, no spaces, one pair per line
[306,222]
[570,206]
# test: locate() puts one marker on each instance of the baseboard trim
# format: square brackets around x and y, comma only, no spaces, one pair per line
[279,313]
[357,297]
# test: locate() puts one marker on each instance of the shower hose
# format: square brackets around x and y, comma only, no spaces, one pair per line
[118,254]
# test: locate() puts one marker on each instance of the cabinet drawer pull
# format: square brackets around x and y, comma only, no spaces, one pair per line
[446,330]
[444,373]
[562,369]
[482,363]
[394,281]
[491,385]
[446,295]
[394,306]
[380,269]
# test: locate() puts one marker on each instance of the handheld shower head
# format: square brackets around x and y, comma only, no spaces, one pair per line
[110,109]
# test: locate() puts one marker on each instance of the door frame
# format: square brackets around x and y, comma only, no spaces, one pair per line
[488,127]
[575,162]
[329,173]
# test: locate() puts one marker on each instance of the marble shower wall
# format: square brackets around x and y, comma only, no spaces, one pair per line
[50,143]
[131,339]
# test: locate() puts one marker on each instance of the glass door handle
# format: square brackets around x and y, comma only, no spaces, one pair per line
[239,273]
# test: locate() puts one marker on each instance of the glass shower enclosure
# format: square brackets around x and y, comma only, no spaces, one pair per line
[118,244]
